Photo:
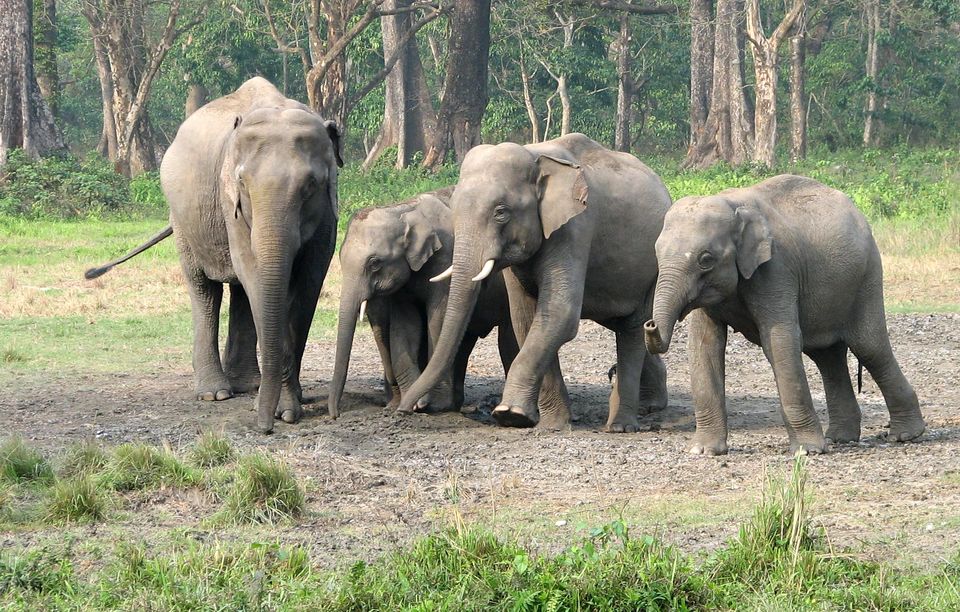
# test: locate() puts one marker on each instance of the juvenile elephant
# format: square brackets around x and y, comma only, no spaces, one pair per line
[576,224]
[251,180]
[791,264]
[387,258]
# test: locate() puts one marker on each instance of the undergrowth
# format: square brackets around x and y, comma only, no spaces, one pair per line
[263,490]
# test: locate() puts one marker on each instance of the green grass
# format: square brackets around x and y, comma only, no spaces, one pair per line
[20,463]
[263,490]
[140,466]
[83,458]
[211,450]
[76,500]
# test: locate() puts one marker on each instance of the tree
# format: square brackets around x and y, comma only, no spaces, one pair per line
[798,102]
[25,118]
[727,134]
[465,86]
[131,61]
[765,57]
[45,53]
[701,68]
[870,131]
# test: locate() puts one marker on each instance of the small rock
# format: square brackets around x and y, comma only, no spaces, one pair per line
[929,527]
[562,522]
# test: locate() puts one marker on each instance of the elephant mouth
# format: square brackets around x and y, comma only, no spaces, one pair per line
[686,310]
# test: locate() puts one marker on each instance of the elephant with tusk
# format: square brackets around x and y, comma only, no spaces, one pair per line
[572,226]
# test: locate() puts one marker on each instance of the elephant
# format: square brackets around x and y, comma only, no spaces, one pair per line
[251,180]
[387,259]
[792,265]
[572,225]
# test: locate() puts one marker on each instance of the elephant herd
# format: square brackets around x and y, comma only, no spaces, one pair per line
[530,240]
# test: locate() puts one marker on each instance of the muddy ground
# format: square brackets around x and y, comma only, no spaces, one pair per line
[375,479]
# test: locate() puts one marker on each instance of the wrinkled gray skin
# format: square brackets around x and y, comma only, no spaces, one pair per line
[576,223]
[792,265]
[251,179]
[387,258]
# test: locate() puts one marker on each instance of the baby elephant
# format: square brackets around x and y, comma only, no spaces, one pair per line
[791,264]
[387,260]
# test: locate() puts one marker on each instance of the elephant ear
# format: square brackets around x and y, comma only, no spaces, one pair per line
[420,238]
[755,244]
[562,191]
[333,131]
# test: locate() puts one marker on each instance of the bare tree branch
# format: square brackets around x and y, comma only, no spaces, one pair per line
[628,7]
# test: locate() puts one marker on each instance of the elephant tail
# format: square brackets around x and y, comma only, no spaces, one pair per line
[161,235]
[859,376]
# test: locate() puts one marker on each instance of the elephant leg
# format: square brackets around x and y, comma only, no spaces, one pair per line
[554,322]
[871,344]
[460,368]
[443,394]
[706,346]
[240,352]
[305,283]
[653,384]
[782,344]
[507,346]
[406,332]
[205,298]
[844,413]
[624,415]
[378,313]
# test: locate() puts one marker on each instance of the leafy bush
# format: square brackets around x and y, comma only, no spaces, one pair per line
[19,462]
[145,190]
[61,187]
[263,491]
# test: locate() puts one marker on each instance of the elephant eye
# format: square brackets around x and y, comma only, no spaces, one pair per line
[374,264]
[310,188]
[501,214]
[706,260]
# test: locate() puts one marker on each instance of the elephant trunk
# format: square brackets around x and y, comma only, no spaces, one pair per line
[273,249]
[346,328]
[669,301]
[462,299]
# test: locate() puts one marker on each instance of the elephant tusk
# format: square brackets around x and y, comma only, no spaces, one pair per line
[485,271]
[363,308]
[443,275]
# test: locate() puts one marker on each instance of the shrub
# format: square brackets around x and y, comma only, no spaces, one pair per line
[75,500]
[139,466]
[145,190]
[83,458]
[19,463]
[211,450]
[263,491]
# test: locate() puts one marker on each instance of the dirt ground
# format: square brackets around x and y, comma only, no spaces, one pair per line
[375,479]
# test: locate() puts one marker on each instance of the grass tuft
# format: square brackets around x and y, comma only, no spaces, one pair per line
[83,458]
[263,491]
[20,463]
[211,450]
[139,466]
[76,500]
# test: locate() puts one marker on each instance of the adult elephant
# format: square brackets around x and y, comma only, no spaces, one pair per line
[792,265]
[387,259]
[576,224]
[251,180]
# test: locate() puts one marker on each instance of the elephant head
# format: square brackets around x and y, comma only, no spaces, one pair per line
[707,245]
[278,184]
[383,248]
[508,201]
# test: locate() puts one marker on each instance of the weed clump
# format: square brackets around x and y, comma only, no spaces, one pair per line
[263,491]
[20,463]
[76,500]
[139,466]
[211,450]
[83,458]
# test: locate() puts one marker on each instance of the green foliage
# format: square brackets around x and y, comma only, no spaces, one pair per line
[83,458]
[76,500]
[20,463]
[211,450]
[140,466]
[145,190]
[37,573]
[61,187]
[263,491]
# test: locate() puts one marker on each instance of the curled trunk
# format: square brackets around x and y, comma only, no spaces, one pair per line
[668,304]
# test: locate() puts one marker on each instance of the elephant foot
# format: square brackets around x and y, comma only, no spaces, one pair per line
[513,416]
[264,423]
[709,446]
[244,384]
[906,429]
[843,433]
[423,404]
[289,408]
[808,448]
[214,391]
[394,403]
[554,420]
[623,425]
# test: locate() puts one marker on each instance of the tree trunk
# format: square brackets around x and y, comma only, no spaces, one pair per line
[25,119]
[798,102]
[408,117]
[621,136]
[45,54]
[196,97]
[873,70]
[701,69]
[465,85]
[108,135]
[728,132]
[528,100]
